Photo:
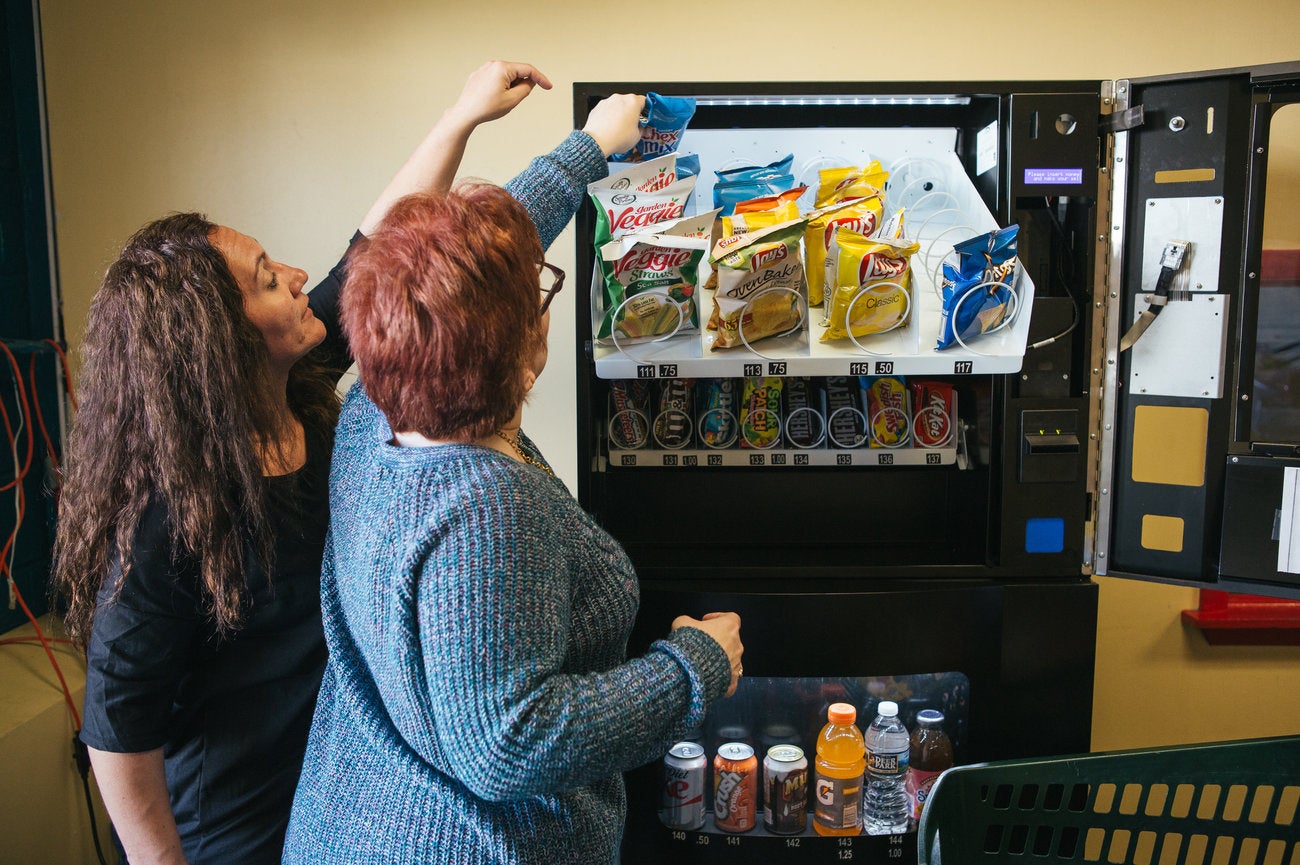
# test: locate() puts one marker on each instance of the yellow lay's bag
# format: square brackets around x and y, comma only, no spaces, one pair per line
[841,185]
[868,284]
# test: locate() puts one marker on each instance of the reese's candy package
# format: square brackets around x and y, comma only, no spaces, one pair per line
[933,408]
[968,309]
[846,422]
[650,284]
[889,421]
[804,412]
[629,413]
[664,121]
[760,412]
[716,406]
[674,422]
[760,285]
[860,186]
[869,281]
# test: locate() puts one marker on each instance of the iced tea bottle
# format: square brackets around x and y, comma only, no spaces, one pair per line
[837,784]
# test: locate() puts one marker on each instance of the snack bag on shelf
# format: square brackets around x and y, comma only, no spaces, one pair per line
[862,186]
[855,267]
[760,412]
[752,181]
[970,310]
[662,126]
[760,285]
[934,405]
[889,422]
[650,285]
[629,413]
[715,410]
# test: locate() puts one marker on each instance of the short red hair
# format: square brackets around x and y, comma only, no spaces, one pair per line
[441,310]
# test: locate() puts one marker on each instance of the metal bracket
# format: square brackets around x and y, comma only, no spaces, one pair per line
[1123,121]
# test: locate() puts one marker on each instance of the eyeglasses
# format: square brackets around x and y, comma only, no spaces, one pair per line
[557,277]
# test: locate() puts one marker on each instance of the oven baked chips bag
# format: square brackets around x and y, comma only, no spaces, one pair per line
[760,284]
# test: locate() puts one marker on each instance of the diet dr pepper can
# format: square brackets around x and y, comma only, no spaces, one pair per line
[735,788]
[682,803]
[785,777]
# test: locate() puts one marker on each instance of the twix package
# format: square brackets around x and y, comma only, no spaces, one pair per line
[861,189]
[760,285]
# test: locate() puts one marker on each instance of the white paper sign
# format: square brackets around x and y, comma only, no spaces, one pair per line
[1288,546]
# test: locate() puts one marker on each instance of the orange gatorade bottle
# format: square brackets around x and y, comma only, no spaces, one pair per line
[837,786]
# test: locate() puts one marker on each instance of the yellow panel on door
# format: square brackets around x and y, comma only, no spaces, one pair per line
[1162,533]
[1169,445]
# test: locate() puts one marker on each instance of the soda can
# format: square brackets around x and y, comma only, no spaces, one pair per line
[735,788]
[682,804]
[785,780]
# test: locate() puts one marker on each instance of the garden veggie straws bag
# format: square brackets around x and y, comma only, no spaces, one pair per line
[657,277]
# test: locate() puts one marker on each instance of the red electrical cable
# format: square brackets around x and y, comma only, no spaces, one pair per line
[40,416]
[21,475]
[26,412]
[67,376]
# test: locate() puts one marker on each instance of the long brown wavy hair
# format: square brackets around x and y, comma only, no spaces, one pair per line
[176,392]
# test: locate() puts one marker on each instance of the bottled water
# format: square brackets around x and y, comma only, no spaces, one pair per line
[885,806]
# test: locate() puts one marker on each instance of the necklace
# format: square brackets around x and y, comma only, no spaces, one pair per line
[514,443]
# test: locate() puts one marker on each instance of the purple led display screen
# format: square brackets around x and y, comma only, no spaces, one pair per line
[1053,176]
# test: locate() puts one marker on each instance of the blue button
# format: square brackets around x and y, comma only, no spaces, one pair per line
[1045,535]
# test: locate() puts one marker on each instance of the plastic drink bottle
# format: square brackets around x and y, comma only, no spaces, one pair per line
[931,753]
[885,806]
[837,785]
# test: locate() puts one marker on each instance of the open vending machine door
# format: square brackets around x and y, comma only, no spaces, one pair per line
[1197,333]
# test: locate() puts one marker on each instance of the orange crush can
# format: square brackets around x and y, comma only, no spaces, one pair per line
[735,788]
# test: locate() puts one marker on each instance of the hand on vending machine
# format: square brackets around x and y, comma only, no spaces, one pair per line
[725,629]
[615,122]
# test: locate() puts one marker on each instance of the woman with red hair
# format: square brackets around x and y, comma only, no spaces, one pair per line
[478,705]
[195,500]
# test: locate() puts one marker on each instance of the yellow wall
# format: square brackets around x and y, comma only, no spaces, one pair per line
[284,119]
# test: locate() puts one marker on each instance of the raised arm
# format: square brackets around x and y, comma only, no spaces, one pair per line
[492,91]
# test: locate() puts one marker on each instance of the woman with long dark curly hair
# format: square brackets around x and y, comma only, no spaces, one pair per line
[195,501]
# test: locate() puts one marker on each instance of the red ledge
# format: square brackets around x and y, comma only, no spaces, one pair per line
[1246,620]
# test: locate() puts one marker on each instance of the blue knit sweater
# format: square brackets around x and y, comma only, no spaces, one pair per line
[478,705]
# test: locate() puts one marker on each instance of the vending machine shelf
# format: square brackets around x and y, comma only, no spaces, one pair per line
[941,207]
[749,457]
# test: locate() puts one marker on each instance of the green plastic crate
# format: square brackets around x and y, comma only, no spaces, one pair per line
[1226,803]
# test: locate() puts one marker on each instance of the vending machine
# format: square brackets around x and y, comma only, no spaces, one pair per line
[911,510]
